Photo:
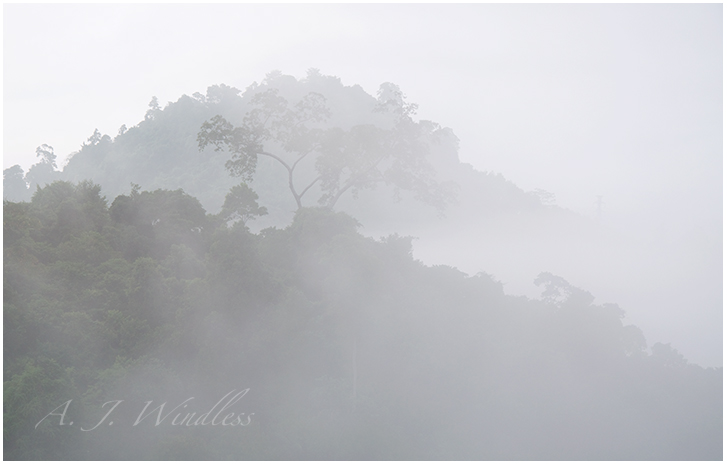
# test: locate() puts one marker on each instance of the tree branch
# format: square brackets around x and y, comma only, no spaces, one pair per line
[303,156]
[280,160]
[354,178]
[290,176]
[310,185]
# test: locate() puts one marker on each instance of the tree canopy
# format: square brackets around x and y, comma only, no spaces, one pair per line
[350,347]
[354,159]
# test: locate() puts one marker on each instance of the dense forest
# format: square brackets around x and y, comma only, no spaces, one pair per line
[156,307]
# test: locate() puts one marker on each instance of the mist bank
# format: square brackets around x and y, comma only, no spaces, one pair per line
[669,280]
[346,347]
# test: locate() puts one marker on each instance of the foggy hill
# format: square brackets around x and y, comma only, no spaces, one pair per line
[334,345]
[491,226]
[162,152]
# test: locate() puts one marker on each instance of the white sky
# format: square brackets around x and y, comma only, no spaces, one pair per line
[625,95]
[622,101]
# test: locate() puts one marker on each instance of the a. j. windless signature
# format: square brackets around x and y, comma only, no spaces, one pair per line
[219,415]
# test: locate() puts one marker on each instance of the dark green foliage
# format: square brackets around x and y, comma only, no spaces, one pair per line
[64,210]
[351,349]
[29,394]
[154,221]
[241,204]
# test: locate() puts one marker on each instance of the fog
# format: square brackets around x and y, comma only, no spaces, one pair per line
[584,140]
[622,102]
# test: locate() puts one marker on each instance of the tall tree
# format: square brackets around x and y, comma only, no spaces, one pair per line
[47,155]
[15,188]
[43,172]
[347,160]
[271,120]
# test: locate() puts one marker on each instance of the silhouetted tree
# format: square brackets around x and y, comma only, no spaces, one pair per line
[666,355]
[241,204]
[355,159]
[14,187]
[43,172]
[46,154]
[558,291]
[154,108]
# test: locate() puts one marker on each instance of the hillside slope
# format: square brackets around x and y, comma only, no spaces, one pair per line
[338,346]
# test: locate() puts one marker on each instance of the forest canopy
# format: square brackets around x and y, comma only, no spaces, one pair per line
[348,347]
[218,253]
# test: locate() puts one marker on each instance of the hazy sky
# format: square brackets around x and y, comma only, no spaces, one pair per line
[626,96]
[622,101]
